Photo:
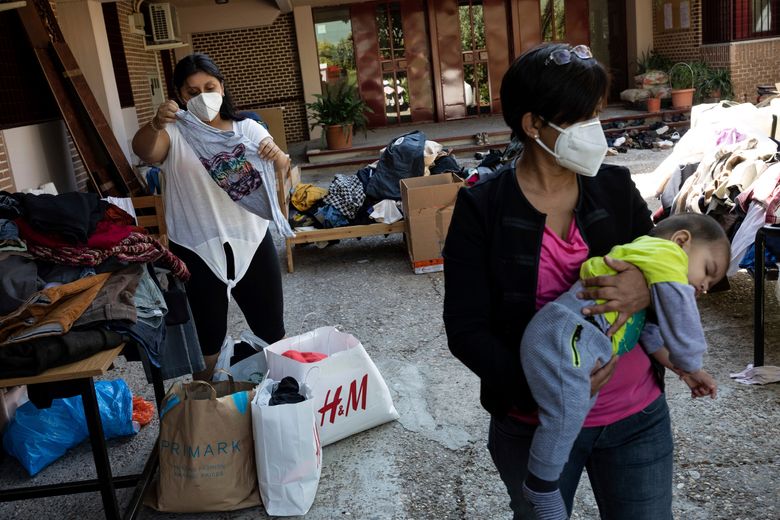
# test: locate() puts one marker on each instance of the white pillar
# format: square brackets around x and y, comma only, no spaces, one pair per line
[82,25]
[639,18]
[310,61]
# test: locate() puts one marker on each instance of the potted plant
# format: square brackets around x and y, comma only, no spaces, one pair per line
[654,104]
[339,110]
[681,78]
[718,84]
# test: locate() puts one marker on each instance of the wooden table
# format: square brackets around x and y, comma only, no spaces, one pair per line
[82,373]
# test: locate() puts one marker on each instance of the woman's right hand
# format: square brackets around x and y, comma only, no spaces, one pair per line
[601,375]
[166,113]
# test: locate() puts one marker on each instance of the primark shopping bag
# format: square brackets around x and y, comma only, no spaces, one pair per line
[207,460]
[287,451]
[350,394]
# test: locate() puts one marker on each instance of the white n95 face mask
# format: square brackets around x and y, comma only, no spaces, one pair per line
[205,106]
[581,147]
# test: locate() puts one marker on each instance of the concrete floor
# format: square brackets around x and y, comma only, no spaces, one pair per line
[432,462]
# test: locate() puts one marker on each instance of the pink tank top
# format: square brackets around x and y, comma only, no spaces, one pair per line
[632,386]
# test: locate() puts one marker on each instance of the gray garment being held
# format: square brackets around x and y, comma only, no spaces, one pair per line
[233,163]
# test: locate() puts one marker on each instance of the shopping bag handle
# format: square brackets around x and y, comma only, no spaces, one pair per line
[316,370]
[229,375]
[230,379]
[197,383]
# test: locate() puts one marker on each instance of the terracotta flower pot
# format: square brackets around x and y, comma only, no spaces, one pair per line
[683,98]
[338,137]
[653,105]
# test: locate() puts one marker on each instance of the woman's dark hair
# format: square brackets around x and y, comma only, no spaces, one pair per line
[561,94]
[701,227]
[194,63]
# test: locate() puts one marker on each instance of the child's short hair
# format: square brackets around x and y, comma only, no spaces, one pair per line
[701,227]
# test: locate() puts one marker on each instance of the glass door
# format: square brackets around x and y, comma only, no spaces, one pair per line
[476,82]
[553,20]
[393,62]
[333,31]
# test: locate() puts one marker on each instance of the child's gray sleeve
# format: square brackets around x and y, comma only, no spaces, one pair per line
[680,324]
[650,338]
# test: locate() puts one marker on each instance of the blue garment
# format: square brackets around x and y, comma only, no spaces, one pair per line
[9,236]
[330,217]
[634,481]
[149,302]
[749,258]
[153,181]
[151,339]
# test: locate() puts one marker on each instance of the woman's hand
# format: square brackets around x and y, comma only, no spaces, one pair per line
[625,292]
[601,374]
[166,113]
[270,152]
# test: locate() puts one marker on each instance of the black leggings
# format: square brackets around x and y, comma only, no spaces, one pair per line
[258,294]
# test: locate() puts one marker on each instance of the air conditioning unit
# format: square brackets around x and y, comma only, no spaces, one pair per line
[165,25]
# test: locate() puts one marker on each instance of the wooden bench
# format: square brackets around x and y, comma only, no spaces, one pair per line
[285,183]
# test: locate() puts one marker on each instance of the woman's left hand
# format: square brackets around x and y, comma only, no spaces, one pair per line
[270,152]
[625,292]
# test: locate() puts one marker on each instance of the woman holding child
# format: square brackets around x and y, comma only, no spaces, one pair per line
[516,242]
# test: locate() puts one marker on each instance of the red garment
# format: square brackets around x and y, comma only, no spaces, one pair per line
[304,357]
[107,234]
[143,410]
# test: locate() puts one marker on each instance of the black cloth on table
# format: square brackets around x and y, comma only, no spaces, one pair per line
[72,216]
[32,357]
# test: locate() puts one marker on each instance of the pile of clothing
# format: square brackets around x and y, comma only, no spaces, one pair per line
[78,276]
[727,166]
[373,193]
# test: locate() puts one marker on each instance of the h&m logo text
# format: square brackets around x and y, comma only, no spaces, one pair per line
[356,398]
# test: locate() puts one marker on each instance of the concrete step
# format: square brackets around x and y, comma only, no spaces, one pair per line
[323,162]
[351,160]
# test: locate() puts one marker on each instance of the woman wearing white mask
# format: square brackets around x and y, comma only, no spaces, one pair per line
[516,242]
[227,249]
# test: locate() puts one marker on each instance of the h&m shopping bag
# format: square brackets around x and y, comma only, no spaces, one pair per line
[207,460]
[350,394]
[287,451]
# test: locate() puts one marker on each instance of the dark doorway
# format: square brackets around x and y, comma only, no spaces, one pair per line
[609,41]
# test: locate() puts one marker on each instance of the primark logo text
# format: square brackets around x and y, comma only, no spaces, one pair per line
[212,449]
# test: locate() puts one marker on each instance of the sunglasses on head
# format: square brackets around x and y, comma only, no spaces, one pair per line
[563,56]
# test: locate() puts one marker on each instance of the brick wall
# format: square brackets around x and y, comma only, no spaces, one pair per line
[79,170]
[140,63]
[753,63]
[6,179]
[262,69]
[678,44]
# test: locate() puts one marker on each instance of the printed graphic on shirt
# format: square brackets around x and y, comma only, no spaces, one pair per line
[233,172]
[627,336]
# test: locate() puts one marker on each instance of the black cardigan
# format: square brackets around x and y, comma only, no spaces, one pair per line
[491,261]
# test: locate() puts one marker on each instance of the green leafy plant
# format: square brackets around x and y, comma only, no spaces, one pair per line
[651,60]
[718,81]
[681,76]
[339,104]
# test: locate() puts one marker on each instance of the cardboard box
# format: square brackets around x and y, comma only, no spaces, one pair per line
[428,203]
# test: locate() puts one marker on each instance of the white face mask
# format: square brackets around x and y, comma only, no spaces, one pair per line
[581,147]
[205,106]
